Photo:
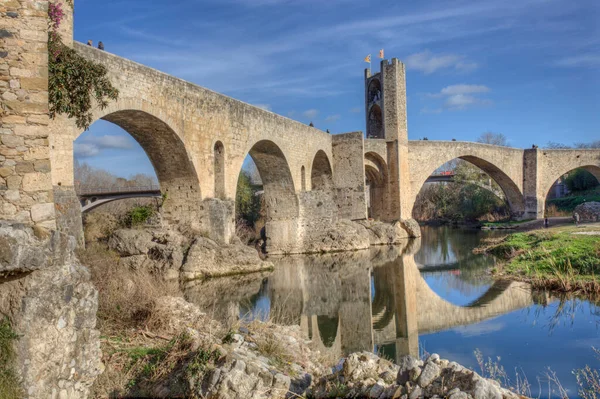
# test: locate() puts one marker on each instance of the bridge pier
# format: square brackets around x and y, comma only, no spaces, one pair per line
[533,197]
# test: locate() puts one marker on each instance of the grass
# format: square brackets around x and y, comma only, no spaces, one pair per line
[10,386]
[553,258]
[588,379]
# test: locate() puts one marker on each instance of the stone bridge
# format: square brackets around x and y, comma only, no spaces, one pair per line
[197,141]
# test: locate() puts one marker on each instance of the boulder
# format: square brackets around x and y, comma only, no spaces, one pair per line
[128,242]
[345,235]
[411,226]
[588,212]
[208,258]
[381,233]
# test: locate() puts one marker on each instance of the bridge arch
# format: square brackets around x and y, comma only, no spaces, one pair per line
[551,178]
[160,138]
[420,171]
[281,202]
[376,179]
[321,175]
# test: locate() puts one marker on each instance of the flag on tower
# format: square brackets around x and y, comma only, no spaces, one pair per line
[368,58]
[381,53]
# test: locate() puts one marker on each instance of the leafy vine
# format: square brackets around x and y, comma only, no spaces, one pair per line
[73,81]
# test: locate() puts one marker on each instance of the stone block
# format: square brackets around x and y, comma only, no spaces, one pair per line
[34,83]
[12,141]
[24,167]
[31,131]
[42,212]
[21,107]
[6,171]
[13,119]
[42,165]
[37,181]
[13,182]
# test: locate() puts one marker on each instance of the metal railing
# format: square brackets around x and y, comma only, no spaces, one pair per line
[89,190]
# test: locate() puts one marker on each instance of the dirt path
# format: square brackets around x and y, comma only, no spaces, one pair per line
[539,223]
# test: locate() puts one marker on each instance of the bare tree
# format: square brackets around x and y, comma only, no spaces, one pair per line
[493,138]
[556,146]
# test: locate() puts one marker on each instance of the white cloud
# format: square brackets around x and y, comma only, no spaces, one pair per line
[333,118]
[464,89]
[266,107]
[109,141]
[83,150]
[311,113]
[584,61]
[474,330]
[427,62]
[459,97]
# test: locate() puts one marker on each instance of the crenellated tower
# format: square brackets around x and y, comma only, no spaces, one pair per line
[386,123]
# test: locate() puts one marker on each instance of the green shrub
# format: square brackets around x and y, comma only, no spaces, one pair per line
[139,215]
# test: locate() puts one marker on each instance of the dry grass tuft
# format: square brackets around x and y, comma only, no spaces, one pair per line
[126,298]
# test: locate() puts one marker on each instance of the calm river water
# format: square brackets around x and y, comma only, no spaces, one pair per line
[432,295]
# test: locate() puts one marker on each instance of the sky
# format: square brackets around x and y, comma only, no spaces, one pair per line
[529,69]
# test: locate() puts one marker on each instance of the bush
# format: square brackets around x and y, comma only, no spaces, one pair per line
[139,215]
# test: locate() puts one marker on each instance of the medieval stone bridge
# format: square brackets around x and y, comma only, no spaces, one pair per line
[197,141]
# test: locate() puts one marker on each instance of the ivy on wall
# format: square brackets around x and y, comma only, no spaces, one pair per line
[73,81]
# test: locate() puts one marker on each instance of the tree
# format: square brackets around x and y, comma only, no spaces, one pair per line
[493,138]
[580,180]
[247,202]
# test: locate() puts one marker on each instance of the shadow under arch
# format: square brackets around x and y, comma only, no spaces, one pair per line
[376,178]
[592,169]
[321,175]
[511,190]
[281,202]
[172,164]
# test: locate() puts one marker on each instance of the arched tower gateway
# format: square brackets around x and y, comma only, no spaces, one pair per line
[387,134]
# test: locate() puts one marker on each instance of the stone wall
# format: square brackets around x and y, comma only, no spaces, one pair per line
[349,175]
[25,181]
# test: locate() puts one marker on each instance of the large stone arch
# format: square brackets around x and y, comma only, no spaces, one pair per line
[281,202]
[376,179]
[321,175]
[168,154]
[493,160]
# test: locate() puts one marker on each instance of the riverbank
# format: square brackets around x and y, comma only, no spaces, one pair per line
[564,258]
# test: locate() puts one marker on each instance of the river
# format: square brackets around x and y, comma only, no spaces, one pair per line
[431,295]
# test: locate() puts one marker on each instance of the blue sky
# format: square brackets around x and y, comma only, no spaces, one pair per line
[528,69]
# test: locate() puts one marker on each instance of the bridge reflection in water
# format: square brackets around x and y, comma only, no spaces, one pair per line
[364,300]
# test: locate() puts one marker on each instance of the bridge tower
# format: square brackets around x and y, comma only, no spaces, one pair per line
[385,110]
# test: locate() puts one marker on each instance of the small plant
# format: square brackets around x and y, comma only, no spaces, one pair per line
[588,380]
